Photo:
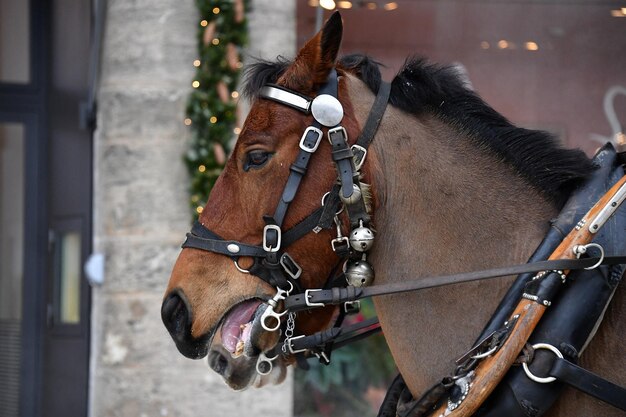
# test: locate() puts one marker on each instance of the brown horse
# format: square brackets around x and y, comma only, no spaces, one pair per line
[455,187]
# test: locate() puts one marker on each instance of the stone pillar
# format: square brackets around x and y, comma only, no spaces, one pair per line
[142,215]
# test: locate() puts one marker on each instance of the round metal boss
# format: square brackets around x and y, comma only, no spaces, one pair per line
[327,110]
[361,239]
[359,274]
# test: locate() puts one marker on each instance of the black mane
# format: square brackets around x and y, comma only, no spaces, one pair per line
[421,87]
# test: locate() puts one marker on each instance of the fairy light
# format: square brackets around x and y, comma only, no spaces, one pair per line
[327,4]
[485,45]
[199,209]
[204,23]
[502,44]
[195,84]
[531,46]
[237,130]
[196,63]
[202,168]
[216,10]
[344,4]
[188,122]
[391,6]
[215,41]
[371,5]
[234,94]
[213,119]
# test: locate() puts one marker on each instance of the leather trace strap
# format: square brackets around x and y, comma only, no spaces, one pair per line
[589,383]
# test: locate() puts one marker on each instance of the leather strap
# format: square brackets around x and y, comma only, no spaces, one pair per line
[589,383]
[376,115]
[319,298]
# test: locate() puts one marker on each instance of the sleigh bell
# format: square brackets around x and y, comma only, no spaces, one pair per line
[361,239]
[359,274]
[352,198]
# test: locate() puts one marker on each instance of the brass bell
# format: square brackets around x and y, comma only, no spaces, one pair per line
[359,273]
[354,197]
[361,239]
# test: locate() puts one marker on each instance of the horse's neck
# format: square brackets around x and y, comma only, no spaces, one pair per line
[443,206]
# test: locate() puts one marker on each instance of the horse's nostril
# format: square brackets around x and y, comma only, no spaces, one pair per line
[218,362]
[175,315]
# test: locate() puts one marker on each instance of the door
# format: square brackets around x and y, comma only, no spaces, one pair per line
[65,353]
[45,208]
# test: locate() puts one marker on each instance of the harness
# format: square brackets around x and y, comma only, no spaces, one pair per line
[276,267]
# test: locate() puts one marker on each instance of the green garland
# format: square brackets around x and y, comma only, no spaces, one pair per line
[212,106]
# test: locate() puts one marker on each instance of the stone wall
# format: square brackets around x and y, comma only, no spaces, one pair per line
[141,211]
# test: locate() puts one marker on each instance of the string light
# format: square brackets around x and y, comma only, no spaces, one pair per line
[371,5]
[485,45]
[211,111]
[327,4]
[502,44]
[391,6]
[237,130]
[531,46]
[344,4]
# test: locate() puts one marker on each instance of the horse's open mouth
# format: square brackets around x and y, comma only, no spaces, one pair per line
[237,343]
[241,329]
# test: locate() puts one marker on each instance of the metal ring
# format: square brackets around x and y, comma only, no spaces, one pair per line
[530,375]
[484,355]
[240,269]
[324,203]
[597,264]
[265,359]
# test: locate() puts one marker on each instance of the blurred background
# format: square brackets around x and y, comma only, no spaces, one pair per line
[102,109]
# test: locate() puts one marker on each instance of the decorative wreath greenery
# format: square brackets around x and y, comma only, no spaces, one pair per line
[212,106]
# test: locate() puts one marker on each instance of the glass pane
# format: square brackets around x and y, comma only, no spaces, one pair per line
[69,278]
[14,41]
[11,263]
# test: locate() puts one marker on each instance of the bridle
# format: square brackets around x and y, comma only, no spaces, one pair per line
[271,261]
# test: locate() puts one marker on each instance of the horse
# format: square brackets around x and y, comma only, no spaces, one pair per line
[453,187]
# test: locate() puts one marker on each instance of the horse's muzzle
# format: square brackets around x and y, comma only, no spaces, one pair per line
[176,316]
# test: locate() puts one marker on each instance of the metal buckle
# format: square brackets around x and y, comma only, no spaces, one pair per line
[343,240]
[290,346]
[352,307]
[337,130]
[307,296]
[290,266]
[266,229]
[359,156]
[319,134]
[325,360]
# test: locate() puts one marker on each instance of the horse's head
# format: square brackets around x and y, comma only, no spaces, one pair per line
[212,305]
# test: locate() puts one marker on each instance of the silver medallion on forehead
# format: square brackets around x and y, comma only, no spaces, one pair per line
[327,110]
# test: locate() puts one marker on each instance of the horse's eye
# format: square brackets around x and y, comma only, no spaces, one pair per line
[256,159]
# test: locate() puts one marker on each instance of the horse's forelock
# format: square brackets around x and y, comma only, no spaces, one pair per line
[263,72]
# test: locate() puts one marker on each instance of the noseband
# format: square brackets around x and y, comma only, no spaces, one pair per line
[271,262]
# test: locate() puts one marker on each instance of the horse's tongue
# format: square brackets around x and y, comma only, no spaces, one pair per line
[235,321]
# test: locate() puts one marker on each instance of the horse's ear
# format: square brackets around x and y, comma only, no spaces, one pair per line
[317,57]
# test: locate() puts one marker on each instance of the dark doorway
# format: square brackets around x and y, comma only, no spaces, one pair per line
[45,208]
